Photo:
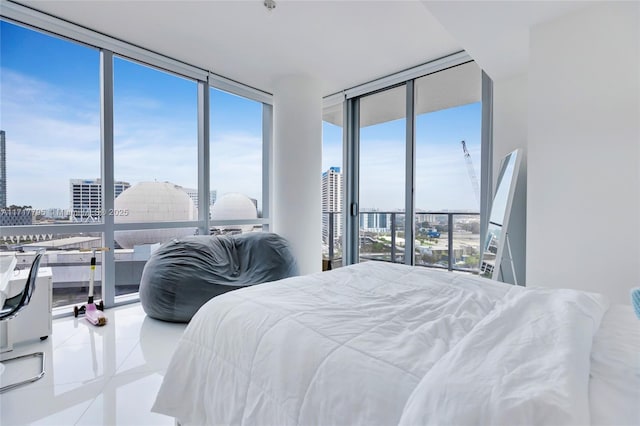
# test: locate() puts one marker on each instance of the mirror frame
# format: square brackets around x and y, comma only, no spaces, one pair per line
[503,239]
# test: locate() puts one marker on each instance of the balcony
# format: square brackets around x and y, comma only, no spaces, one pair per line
[447,240]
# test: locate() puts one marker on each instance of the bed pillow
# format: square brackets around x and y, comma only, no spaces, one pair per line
[527,362]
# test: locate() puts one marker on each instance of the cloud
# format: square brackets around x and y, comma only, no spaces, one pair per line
[442,178]
[51,139]
[382,174]
[236,164]
[52,135]
[331,155]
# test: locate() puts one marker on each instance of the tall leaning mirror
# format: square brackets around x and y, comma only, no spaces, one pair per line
[497,257]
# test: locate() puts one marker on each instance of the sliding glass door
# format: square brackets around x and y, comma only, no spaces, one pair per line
[447,171]
[382,175]
[417,157]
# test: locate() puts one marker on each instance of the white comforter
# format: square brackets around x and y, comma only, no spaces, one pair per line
[382,344]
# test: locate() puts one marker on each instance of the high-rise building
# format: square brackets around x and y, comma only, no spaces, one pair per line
[3,170]
[193,194]
[373,221]
[331,202]
[86,198]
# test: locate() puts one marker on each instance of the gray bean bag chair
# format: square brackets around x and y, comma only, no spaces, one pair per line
[183,274]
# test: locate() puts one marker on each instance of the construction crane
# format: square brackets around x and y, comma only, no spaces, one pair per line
[472,172]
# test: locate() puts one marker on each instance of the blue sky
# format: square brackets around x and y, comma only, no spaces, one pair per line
[50,110]
[442,178]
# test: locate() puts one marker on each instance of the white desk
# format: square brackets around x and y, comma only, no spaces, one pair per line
[34,321]
[7,265]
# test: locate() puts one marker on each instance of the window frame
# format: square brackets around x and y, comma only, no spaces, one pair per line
[351,158]
[109,47]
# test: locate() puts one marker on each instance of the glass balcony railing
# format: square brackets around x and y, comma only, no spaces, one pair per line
[331,240]
[68,256]
[448,240]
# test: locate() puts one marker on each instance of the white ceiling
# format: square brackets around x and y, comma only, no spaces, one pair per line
[340,43]
[496,33]
[456,86]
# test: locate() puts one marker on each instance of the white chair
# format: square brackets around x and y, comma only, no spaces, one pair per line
[10,309]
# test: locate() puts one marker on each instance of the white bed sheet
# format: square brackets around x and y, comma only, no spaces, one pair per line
[615,369]
[352,346]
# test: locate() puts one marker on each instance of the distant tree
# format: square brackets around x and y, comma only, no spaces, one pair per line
[473,227]
[14,207]
[429,259]
[472,261]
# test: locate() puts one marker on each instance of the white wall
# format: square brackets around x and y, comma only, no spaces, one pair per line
[297,164]
[583,206]
[510,132]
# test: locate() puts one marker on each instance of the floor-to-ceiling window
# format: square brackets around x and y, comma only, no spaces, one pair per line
[418,151]
[156,158]
[447,170]
[50,131]
[382,175]
[236,153]
[332,186]
[74,116]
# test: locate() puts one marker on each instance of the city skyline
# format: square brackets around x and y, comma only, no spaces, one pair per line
[364,208]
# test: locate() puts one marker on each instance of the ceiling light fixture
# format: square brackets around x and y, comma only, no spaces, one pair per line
[270,4]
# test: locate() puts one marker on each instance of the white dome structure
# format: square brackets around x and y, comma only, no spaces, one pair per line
[153,202]
[234,206]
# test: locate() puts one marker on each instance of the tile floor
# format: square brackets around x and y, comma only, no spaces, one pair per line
[94,375]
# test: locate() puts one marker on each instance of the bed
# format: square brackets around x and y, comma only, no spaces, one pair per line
[380,344]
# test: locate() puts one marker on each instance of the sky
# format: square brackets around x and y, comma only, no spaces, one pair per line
[442,176]
[50,111]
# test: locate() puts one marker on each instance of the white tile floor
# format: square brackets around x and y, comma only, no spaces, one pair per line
[94,375]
